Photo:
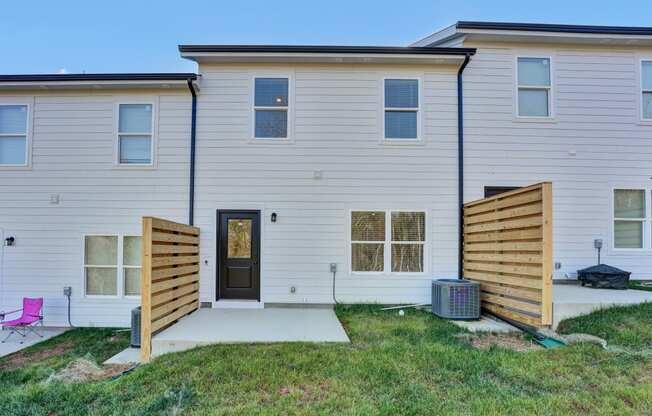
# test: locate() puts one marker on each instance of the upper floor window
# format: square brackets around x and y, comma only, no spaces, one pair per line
[135,126]
[631,218]
[401,109]
[271,97]
[646,85]
[13,135]
[534,87]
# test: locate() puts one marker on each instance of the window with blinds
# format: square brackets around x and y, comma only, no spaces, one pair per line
[392,241]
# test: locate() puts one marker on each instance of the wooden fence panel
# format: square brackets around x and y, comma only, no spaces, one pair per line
[508,250]
[169,279]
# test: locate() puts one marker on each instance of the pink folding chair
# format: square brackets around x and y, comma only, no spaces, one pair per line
[28,320]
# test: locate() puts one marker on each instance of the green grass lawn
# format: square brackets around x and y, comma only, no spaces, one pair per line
[411,365]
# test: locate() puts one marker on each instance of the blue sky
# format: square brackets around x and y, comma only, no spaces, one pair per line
[142,36]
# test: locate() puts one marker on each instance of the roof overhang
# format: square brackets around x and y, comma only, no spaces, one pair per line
[96,81]
[323,54]
[539,33]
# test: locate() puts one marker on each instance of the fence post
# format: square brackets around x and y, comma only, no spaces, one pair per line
[146,292]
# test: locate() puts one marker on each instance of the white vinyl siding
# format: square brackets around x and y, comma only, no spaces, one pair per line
[533,87]
[13,134]
[646,89]
[72,137]
[135,133]
[596,143]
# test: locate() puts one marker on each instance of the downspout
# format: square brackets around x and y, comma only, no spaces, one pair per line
[193,125]
[460,165]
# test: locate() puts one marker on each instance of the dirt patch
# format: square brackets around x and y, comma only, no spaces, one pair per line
[19,358]
[508,341]
[307,393]
[83,370]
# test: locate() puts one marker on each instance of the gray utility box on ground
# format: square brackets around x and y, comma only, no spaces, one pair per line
[456,299]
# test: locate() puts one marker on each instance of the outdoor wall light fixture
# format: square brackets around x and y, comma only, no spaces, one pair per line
[273,217]
[9,241]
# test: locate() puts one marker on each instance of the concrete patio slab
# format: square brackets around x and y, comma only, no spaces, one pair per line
[127,356]
[569,300]
[232,326]
[17,343]
[486,324]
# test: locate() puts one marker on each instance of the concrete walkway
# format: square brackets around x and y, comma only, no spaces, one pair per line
[230,326]
[569,301]
[14,344]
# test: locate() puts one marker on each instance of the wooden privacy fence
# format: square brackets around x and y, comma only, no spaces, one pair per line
[508,250]
[170,277]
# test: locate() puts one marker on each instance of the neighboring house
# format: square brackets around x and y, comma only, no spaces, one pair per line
[345,155]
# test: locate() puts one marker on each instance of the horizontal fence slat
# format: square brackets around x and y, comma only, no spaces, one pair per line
[503,201]
[499,278]
[509,257]
[158,236]
[507,235]
[531,271]
[512,246]
[171,249]
[522,293]
[174,260]
[521,211]
[165,309]
[179,313]
[161,224]
[528,222]
[159,274]
[166,296]
[513,315]
[511,303]
[170,283]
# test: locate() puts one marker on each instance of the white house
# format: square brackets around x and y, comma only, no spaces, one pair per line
[294,160]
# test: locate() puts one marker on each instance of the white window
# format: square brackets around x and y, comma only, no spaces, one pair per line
[392,241]
[112,265]
[401,109]
[534,87]
[135,134]
[631,229]
[13,135]
[271,107]
[646,86]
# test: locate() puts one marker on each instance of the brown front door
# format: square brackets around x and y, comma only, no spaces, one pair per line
[238,253]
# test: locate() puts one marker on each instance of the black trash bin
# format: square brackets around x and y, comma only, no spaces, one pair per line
[604,277]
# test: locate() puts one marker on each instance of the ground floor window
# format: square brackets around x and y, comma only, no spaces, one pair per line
[388,241]
[112,265]
[631,218]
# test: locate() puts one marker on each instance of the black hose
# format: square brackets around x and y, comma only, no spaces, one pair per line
[334,298]
[69,323]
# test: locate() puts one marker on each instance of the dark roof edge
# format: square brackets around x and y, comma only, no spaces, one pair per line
[400,50]
[178,76]
[545,27]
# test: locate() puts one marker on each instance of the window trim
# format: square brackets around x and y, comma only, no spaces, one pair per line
[27,134]
[289,109]
[549,88]
[387,248]
[120,275]
[153,135]
[418,110]
[642,90]
[647,221]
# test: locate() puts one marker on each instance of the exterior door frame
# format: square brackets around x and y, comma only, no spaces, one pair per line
[218,248]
